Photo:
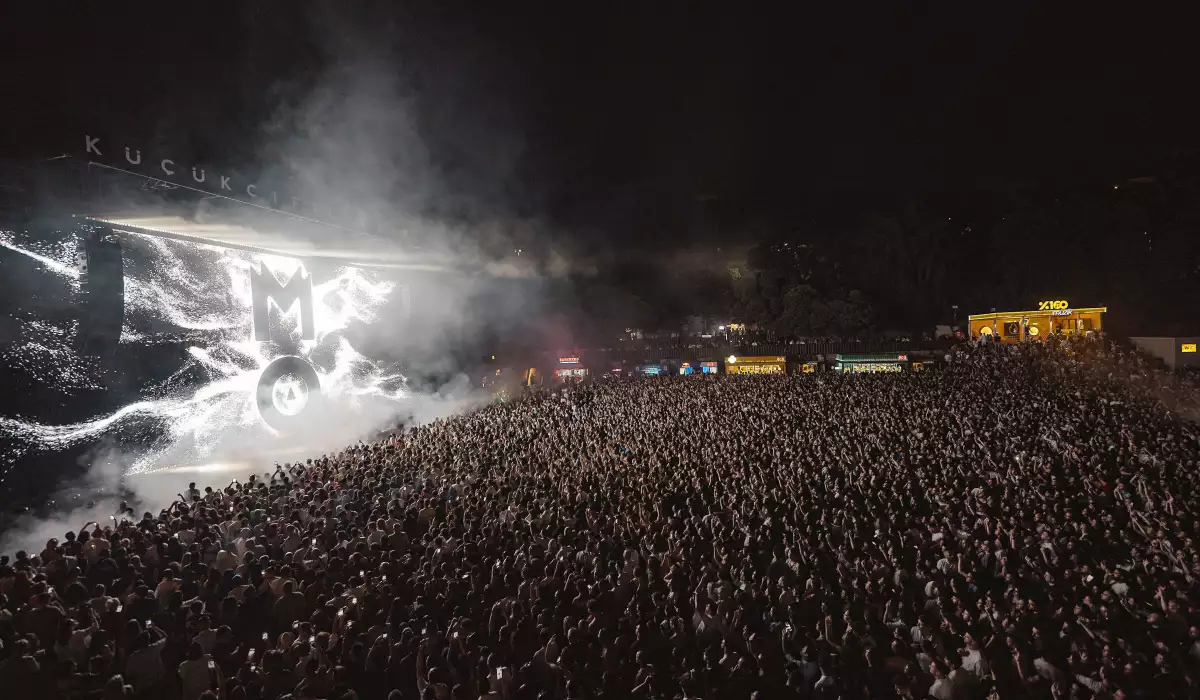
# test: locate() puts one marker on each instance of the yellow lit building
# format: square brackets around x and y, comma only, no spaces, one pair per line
[1051,317]
[763,364]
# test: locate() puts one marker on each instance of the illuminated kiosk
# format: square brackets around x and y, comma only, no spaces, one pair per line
[872,362]
[1051,317]
[762,364]
[701,367]
[570,369]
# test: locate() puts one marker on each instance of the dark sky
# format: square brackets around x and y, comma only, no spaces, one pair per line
[629,114]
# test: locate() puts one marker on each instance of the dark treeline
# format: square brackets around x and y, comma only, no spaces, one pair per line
[1130,245]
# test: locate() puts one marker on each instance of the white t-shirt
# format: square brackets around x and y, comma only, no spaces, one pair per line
[975,664]
[207,639]
[145,667]
[942,689]
[163,591]
[196,677]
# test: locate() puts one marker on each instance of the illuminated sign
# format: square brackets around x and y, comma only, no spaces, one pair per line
[1187,347]
[568,360]
[872,367]
[1062,312]
[289,384]
[265,288]
[166,173]
[902,357]
[1053,305]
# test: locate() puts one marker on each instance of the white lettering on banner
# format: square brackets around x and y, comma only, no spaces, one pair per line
[1062,312]
[169,167]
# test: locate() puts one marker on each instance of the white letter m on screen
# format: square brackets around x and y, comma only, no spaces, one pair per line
[265,288]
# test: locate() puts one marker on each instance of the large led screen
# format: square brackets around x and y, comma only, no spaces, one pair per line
[223,354]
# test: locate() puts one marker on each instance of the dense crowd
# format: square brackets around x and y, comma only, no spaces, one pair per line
[1020,523]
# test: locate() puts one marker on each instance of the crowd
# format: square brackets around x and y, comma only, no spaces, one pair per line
[1020,523]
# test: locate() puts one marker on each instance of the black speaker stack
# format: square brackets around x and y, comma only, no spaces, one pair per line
[102,289]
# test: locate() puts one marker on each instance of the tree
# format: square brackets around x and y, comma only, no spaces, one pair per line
[807,313]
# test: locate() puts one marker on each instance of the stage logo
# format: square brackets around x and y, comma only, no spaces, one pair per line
[265,288]
[289,384]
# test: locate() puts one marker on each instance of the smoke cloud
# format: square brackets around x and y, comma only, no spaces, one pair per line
[419,130]
[431,166]
[108,487]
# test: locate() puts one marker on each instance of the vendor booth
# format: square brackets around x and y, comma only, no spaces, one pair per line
[570,368]
[1052,316]
[871,363]
[701,367]
[764,364]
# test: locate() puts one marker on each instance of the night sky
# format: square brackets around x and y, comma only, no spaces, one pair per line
[629,114]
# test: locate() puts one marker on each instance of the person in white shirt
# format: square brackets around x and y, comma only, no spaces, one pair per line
[166,586]
[198,674]
[241,544]
[943,687]
[94,545]
[144,669]
[207,636]
[973,661]
[225,561]
[826,681]
[99,602]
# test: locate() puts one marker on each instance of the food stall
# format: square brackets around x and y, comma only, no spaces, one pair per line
[756,364]
[871,362]
[570,368]
[1052,316]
